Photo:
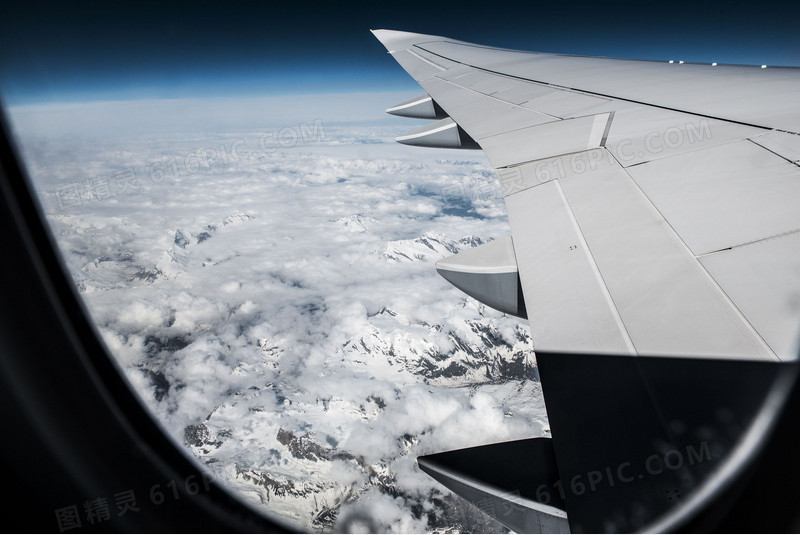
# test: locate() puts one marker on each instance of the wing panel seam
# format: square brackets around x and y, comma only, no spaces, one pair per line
[751,242]
[465,88]
[426,60]
[744,325]
[793,162]
[602,283]
[588,92]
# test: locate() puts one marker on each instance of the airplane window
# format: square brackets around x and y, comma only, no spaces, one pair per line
[259,254]
[262,268]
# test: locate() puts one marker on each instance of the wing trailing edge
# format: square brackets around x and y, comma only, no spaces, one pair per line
[638,444]
[513,482]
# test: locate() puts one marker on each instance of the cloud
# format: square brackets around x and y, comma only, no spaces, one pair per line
[277,306]
[379,513]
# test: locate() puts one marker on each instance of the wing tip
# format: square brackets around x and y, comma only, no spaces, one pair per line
[395,40]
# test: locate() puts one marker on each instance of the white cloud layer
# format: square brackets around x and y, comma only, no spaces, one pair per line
[263,272]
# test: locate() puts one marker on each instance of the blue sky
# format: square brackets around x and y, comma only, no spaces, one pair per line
[51,51]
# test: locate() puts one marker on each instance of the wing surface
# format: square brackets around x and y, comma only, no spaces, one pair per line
[653,205]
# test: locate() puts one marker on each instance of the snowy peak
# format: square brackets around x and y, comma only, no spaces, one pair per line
[355,223]
[447,355]
[429,247]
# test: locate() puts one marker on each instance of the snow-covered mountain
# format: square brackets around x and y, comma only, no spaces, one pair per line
[282,316]
[299,476]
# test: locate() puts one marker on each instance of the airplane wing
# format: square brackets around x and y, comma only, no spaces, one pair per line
[653,205]
[653,210]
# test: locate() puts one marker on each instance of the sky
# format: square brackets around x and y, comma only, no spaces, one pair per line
[64,51]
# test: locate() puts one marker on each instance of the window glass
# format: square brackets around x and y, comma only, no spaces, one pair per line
[258,253]
[262,269]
